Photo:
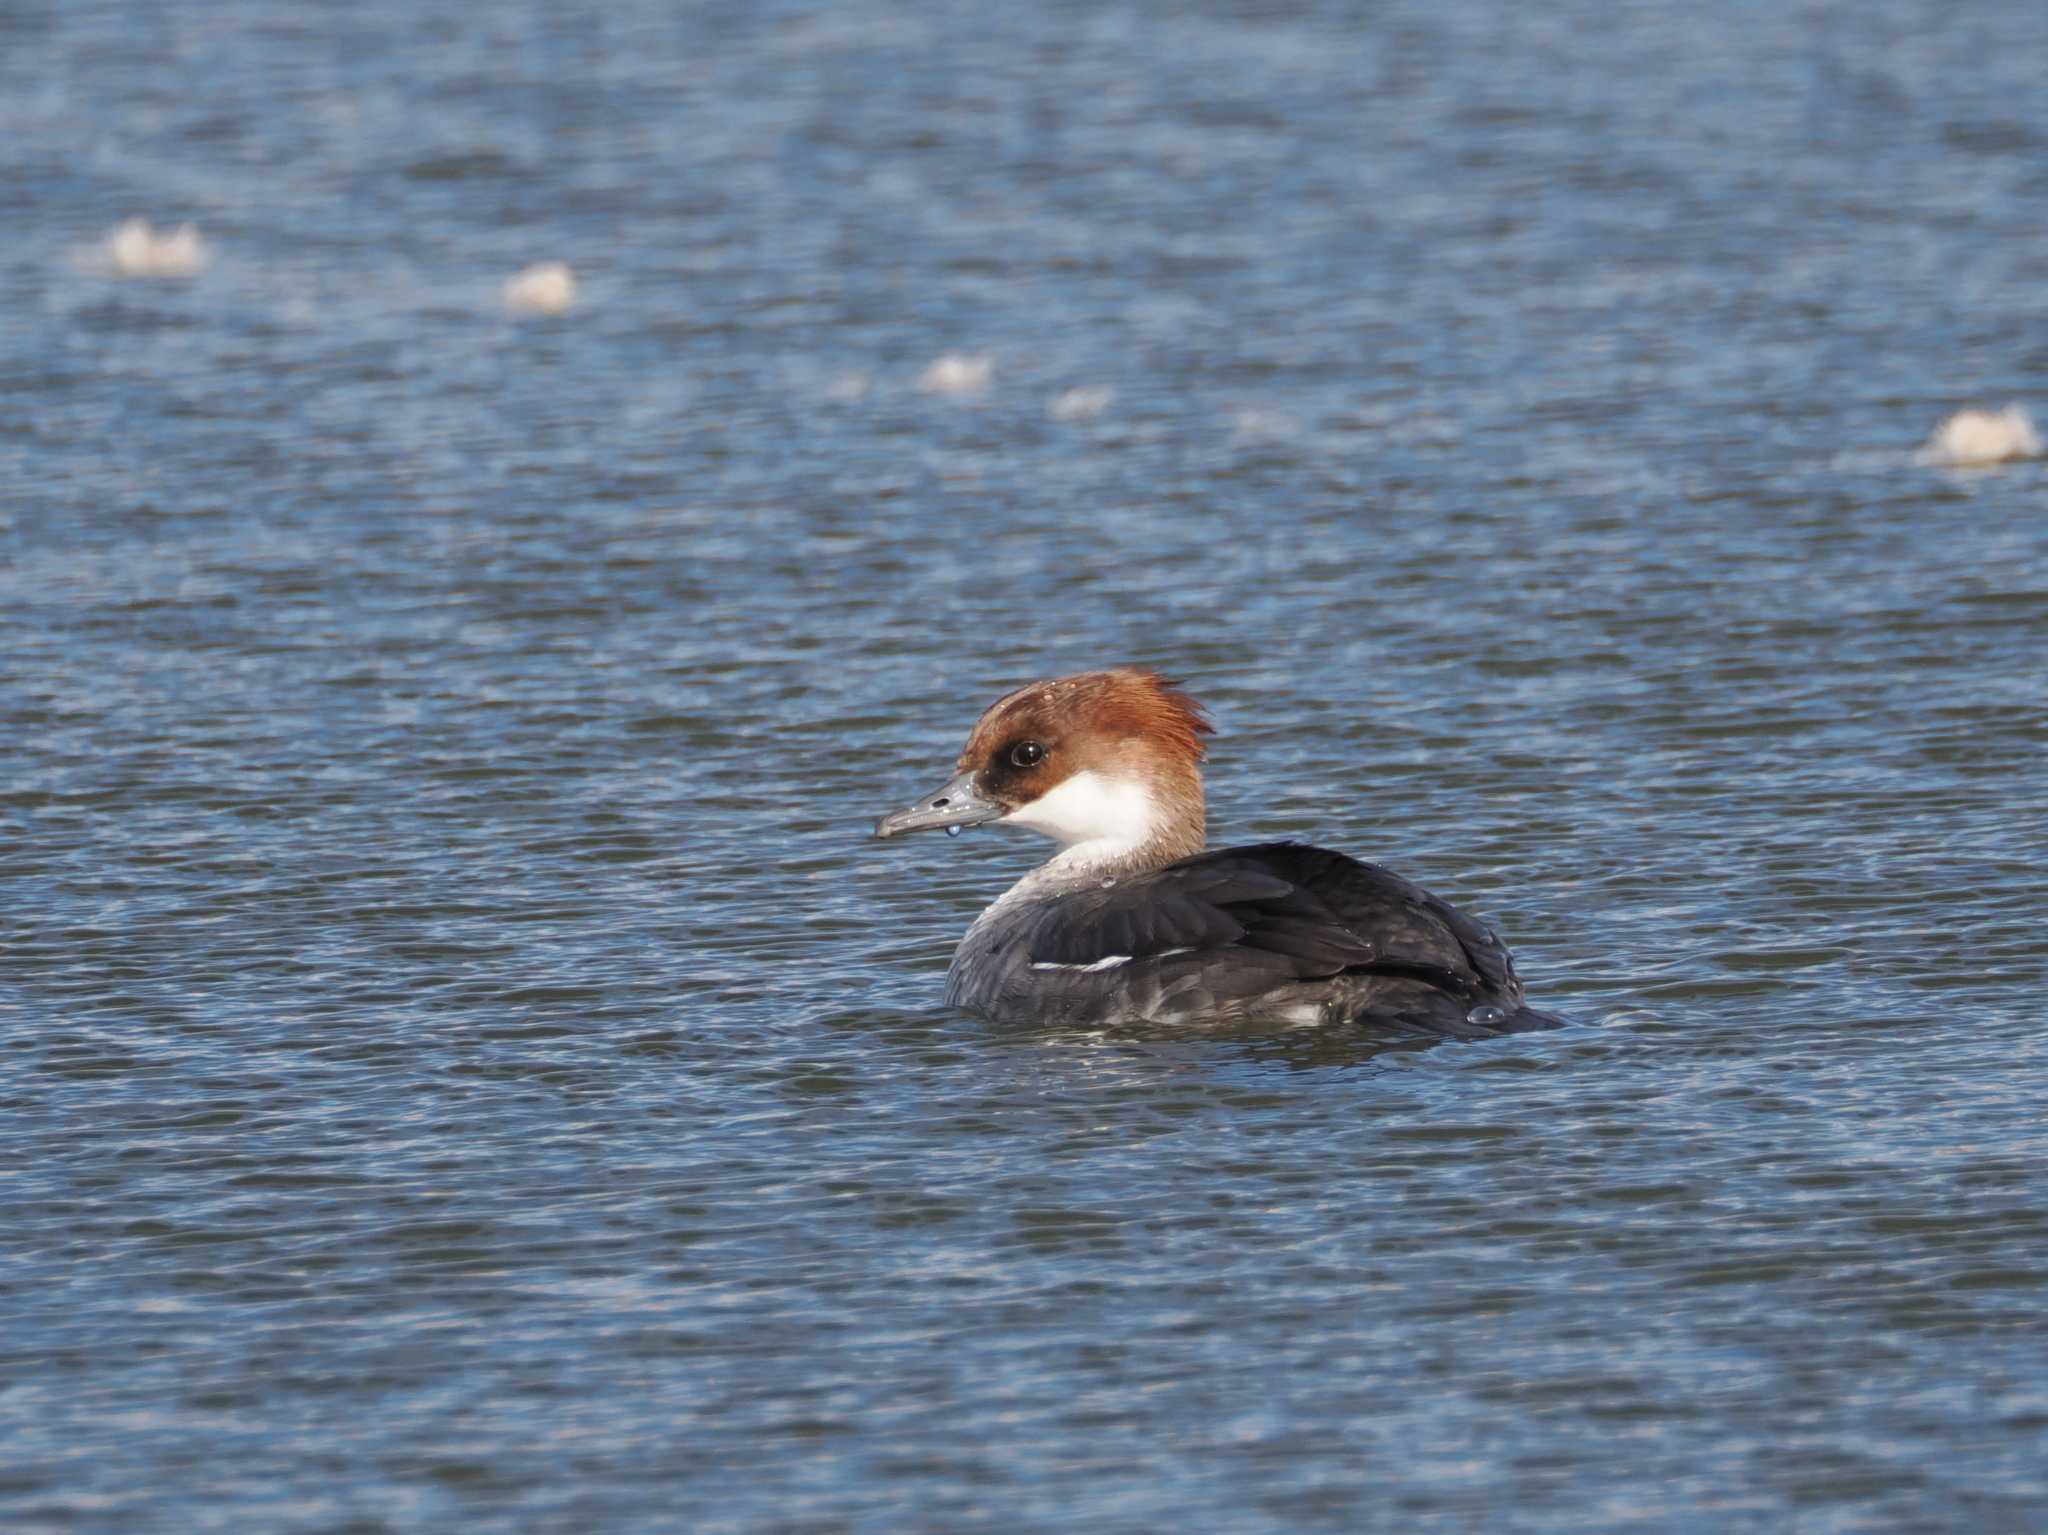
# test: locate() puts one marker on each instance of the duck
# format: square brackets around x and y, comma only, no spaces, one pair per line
[1134,920]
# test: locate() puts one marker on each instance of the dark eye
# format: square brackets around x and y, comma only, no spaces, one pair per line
[1026,754]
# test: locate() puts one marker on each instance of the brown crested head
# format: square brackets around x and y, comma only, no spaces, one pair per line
[1128,723]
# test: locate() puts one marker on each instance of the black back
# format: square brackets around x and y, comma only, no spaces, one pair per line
[1226,928]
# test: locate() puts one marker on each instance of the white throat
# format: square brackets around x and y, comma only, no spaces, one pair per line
[1094,819]
[1102,825]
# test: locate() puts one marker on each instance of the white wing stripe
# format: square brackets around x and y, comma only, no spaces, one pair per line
[1107,962]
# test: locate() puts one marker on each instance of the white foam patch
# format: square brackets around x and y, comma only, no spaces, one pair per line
[137,248]
[1983,437]
[1258,424]
[959,375]
[545,288]
[1083,403]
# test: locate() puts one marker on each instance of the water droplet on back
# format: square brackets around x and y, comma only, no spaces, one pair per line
[1109,884]
[1486,1014]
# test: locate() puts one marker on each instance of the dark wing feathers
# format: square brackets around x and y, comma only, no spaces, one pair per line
[1321,946]
[1128,919]
[1303,912]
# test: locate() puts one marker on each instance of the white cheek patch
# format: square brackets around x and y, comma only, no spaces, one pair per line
[1090,808]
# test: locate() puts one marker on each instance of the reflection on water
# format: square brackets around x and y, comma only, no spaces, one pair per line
[467,1063]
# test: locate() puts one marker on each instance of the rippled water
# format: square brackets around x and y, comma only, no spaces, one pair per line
[467,1066]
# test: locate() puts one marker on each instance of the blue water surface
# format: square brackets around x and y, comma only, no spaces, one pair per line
[467,1067]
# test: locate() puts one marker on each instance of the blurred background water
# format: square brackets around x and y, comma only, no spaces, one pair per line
[465,1065]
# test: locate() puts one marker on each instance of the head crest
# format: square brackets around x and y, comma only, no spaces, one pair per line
[1138,700]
